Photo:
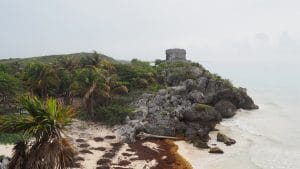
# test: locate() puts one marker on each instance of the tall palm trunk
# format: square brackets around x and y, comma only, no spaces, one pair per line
[90,106]
[67,98]
[89,99]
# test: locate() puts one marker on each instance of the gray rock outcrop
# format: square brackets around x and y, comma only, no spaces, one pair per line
[226,108]
[190,106]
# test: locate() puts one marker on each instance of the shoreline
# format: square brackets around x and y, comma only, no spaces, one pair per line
[202,159]
[99,147]
[152,153]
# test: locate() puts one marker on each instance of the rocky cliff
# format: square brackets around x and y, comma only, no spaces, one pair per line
[191,104]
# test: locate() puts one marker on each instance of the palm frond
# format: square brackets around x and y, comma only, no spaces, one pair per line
[46,122]
[17,123]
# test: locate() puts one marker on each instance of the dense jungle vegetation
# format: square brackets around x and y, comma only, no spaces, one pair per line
[97,86]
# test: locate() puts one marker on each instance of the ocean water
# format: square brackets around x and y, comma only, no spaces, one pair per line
[268,138]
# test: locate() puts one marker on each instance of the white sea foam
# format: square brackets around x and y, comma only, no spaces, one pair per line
[268,138]
[258,147]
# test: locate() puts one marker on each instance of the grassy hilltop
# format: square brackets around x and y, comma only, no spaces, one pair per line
[52,58]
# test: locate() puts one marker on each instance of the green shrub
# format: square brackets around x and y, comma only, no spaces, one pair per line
[201,107]
[136,74]
[142,83]
[217,77]
[113,114]
[179,75]
[228,83]
[3,68]
[12,138]
[213,76]
[158,61]
[176,71]
[155,87]
[121,90]
[10,88]
[82,114]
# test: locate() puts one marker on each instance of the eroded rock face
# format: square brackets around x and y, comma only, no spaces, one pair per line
[238,97]
[226,108]
[188,107]
[205,115]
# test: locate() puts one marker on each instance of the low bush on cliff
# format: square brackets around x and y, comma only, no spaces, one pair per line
[228,83]
[136,74]
[216,77]
[176,71]
[201,107]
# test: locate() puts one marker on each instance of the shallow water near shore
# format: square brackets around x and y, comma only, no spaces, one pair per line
[268,138]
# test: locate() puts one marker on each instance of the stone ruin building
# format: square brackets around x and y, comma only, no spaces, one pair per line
[175,54]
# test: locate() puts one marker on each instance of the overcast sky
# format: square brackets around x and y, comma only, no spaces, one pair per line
[126,29]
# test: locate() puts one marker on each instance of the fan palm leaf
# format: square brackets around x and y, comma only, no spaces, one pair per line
[46,122]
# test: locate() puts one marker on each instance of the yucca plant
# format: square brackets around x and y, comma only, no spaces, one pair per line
[49,147]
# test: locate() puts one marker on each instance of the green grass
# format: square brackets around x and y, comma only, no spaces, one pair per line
[155,87]
[51,58]
[11,138]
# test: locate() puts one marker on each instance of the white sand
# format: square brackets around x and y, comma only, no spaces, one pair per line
[6,150]
[88,131]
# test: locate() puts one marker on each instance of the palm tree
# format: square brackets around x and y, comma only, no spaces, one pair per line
[40,79]
[45,122]
[90,60]
[66,79]
[91,85]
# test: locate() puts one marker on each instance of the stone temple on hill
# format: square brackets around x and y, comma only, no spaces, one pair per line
[175,54]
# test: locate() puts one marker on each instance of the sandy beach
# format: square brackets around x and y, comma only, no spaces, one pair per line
[99,148]
[6,150]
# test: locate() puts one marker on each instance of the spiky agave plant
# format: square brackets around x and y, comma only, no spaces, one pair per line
[45,121]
